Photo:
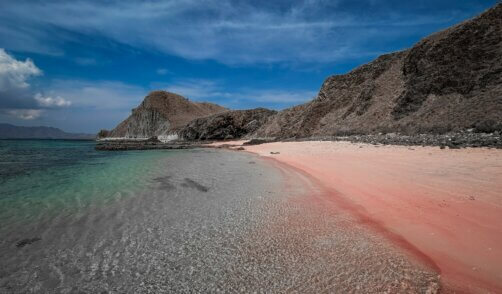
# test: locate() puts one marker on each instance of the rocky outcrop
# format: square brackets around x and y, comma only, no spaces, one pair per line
[450,81]
[162,113]
[103,134]
[227,125]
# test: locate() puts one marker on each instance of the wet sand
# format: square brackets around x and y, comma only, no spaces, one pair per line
[443,206]
[212,221]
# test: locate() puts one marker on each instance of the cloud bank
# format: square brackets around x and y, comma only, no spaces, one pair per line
[57,101]
[15,73]
[17,98]
[25,114]
[215,91]
[230,32]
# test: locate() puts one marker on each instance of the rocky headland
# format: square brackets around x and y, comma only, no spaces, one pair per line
[444,91]
[227,125]
[448,82]
[161,114]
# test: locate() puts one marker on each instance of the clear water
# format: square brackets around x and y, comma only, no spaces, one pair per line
[43,177]
[74,220]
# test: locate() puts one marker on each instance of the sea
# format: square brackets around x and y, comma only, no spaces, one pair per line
[40,177]
[77,220]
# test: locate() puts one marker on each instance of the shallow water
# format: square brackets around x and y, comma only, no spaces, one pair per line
[42,177]
[200,221]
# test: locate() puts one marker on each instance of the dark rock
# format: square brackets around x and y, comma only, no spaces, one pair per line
[103,134]
[189,183]
[488,126]
[227,125]
[162,113]
[165,183]
[257,142]
[125,145]
[451,140]
[448,82]
[27,241]
[153,139]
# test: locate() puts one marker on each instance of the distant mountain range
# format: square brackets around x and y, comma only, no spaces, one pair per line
[8,131]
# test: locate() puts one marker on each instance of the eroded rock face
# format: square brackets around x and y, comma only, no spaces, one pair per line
[450,81]
[162,113]
[143,123]
[227,125]
[464,60]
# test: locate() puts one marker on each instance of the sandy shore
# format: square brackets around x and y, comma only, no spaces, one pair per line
[442,206]
[206,221]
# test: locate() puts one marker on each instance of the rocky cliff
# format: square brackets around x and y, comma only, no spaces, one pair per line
[227,125]
[162,113]
[449,81]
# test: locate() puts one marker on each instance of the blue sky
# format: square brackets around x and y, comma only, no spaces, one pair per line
[83,65]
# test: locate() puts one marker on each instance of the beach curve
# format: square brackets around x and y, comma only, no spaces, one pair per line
[444,203]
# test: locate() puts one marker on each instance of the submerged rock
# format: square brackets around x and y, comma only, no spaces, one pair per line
[27,241]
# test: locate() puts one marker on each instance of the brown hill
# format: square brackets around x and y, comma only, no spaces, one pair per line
[227,125]
[449,81]
[162,113]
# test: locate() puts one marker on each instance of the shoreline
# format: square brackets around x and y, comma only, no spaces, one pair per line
[445,203]
[454,140]
[361,215]
[207,221]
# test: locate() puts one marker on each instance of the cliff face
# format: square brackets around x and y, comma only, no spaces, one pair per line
[227,125]
[162,113]
[449,81]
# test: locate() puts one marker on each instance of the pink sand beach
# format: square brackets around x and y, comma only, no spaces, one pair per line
[443,207]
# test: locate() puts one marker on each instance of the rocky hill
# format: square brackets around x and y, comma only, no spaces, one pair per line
[449,81]
[227,125]
[8,131]
[162,113]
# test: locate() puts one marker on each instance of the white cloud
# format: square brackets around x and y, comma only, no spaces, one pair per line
[25,114]
[17,98]
[94,105]
[231,32]
[57,101]
[109,95]
[214,91]
[14,73]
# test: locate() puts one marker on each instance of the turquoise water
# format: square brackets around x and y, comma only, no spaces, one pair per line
[39,178]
